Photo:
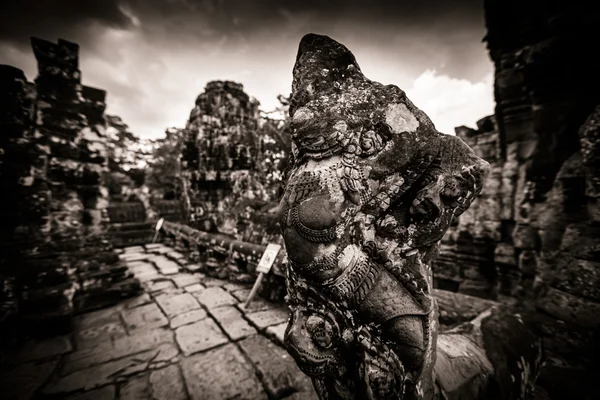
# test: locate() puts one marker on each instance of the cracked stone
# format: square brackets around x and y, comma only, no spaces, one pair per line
[279,372]
[184,279]
[177,304]
[160,285]
[209,376]
[194,288]
[264,319]
[110,372]
[105,393]
[232,322]
[188,318]
[39,349]
[147,316]
[140,300]
[164,265]
[213,297]
[277,331]
[241,295]
[135,389]
[167,383]
[106,351]
[23,381]
[199,336]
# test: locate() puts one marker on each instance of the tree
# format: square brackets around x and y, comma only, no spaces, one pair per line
[164,166]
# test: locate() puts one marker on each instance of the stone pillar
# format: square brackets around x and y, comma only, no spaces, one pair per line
[373,189]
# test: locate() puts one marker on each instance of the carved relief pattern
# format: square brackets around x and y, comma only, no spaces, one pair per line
[372,190]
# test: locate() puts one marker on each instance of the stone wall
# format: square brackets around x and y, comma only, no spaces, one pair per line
[55,158]
[533,235]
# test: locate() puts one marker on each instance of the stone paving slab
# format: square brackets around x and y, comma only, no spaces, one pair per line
[105,393]
[182,338]
[213,297]
[221,373]
[232,322]
[113,371]
[264,319]
[167,383]
[148,316]
[278,371]
[173,305]
[277,332]
[199,336]
[121,347]
[136,388]
[187,318]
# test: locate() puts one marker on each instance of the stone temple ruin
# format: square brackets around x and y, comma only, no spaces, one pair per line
[508,309]
[57,260]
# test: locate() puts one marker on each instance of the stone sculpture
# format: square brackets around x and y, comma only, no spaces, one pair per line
[372,189]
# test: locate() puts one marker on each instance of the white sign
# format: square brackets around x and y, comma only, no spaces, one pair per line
[159,224]
[268,258]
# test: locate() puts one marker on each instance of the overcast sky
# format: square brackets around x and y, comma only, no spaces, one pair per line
[154,57]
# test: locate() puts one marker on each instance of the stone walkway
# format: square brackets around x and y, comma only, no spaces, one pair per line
[186,337]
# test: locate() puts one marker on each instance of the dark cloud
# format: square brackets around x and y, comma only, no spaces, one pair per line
[154,56]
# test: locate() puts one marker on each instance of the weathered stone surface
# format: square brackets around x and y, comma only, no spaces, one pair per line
[570,308]
[106,351]
[182,280]
[157,286]
[40,349]
[112,371]
[165,265]
[24,380]
[105,393]
[213,297]
[173,305]
[456,308]
[167,383]
[194,288]
[277,332]
[140,300]
[147,316]
[187,318]
[232,322]
[264,319]
[199,336]
[279,372]
[135,388]
[209,376]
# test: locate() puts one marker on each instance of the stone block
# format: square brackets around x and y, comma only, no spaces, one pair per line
[264,319]
[277,332]
[121,347]
[279,372]
[105,393]
[578,277]
[187,318]
[167,383]
[182,280]
[209,376]
[194,288]
[213,297]
[199,336]
[159,285]
[173,305]
[136,388]
[35,349]
[232,322]
[23,381]
[570,308]
[144,317]
[113,371]
[139,300]
[130,257]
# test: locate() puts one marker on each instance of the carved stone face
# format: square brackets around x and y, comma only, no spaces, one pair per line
[373,189]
